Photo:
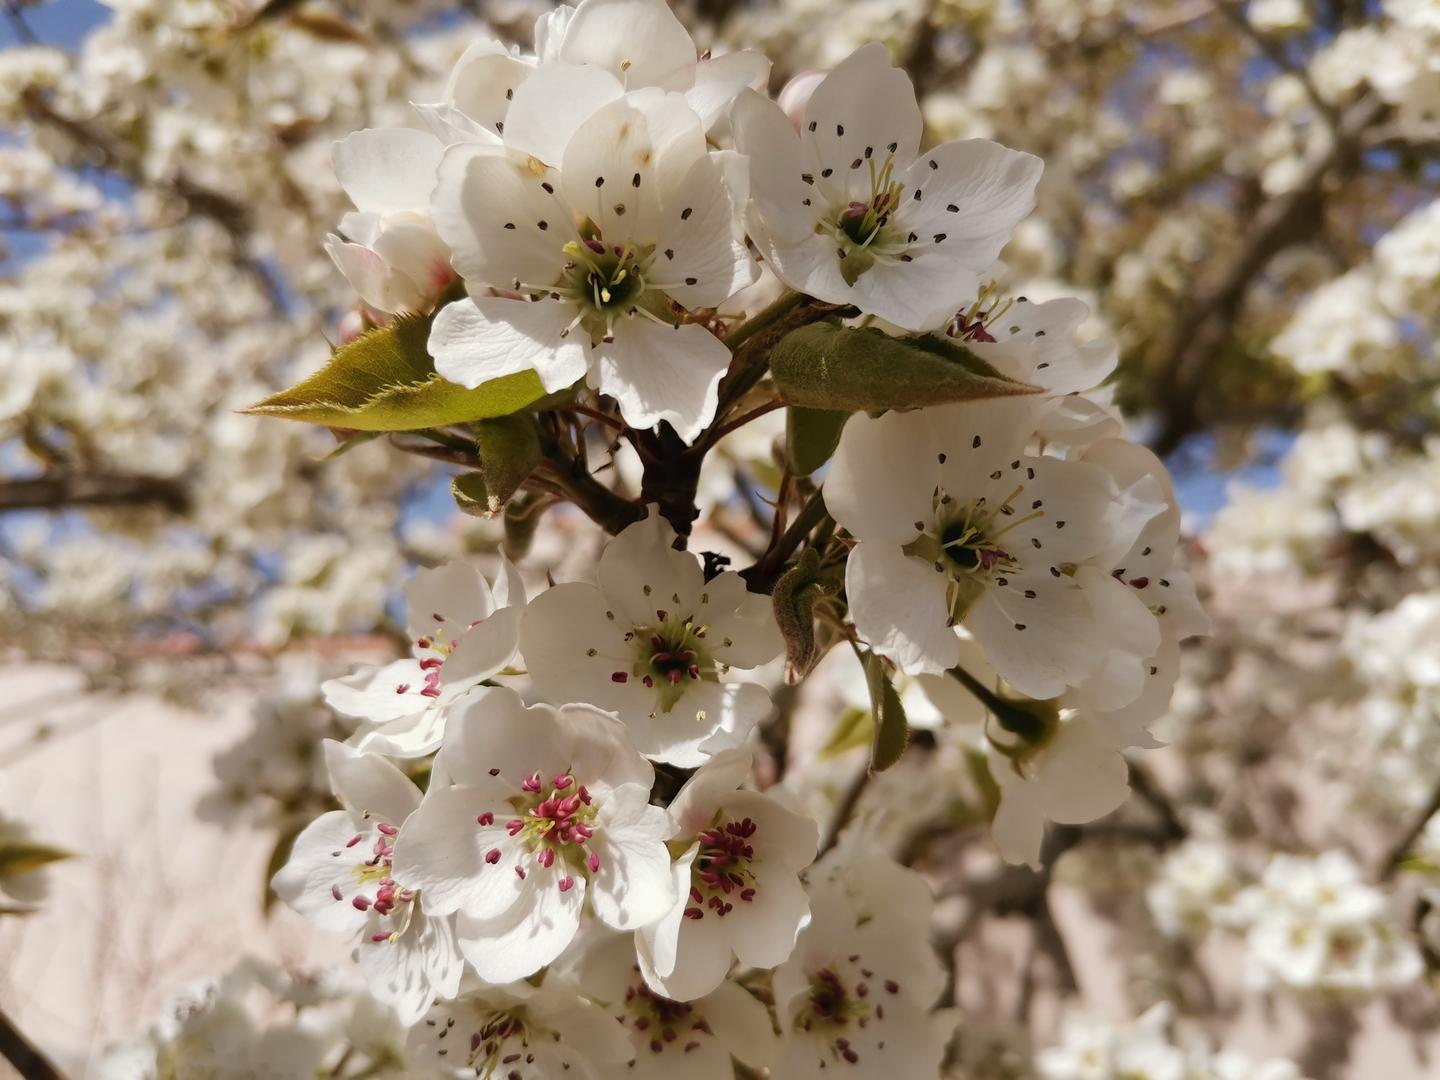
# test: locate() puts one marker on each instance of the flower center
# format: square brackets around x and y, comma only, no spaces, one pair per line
[865,228]
[609,276]
[669,656]
[976,323]
[835,1003]
[374,872]
[665,1022]
[500,1041]
[967,545]
[555,822]
[721,875]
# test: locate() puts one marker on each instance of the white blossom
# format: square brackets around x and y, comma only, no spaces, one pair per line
[650,640]
[463,631]
[737,882]
[341,877]
[850,212]
[530,811]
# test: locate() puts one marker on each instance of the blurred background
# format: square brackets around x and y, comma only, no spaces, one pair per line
[1244,194]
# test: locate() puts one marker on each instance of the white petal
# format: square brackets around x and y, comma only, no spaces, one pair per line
[978,437]
[509,588]
[1018,828]
[639,40]
[445,600]
[485,650]
[1070,503]
[866,103]
[368,784]
[536,930]
[371,693]
[784,840]
[719,79]
[705,247]
[765,136]
[640,571]
[488,207]
[1085,777]
[418,734]
[882,479]
[629,167]
[657,944]
[1040,644]
[398,971]
[553,104]
[922,294]
[474,341]
[703,959]
[708,719]
[441,851]
[898,605]
[598,750]
[491,728]
[388,169]
[559,629]
[742,1023]
[991,187]
[766,927]
[314,869]
[633,886]
[372,277]
[484,80]
[746,619]
[711,785]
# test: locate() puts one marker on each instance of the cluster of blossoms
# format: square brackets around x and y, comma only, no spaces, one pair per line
[602,212]
[1310,925]
[1146,1049]
[589,834]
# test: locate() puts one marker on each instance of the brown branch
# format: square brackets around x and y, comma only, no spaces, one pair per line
[62,490]
[1206,326]
[1402,846]
[28,1061]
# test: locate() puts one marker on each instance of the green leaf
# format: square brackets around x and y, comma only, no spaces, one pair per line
[23,857]
[830,366]
[856,727]
[811,436]
[386,381]
[794,598]
[892,732]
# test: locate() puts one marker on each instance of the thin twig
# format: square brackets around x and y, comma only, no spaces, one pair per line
[23,1055]
[845,810]
[1402,847]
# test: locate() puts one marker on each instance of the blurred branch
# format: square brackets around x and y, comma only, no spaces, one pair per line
[1275,52]
[96,489]
[1402,847]
[1207,324]
[21,1053]
[23,30]
[119,157]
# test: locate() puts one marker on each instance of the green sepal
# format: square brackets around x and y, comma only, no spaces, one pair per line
[811,436]
[892,730]
[794,597]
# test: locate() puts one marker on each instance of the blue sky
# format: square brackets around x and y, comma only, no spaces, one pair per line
[61,22]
